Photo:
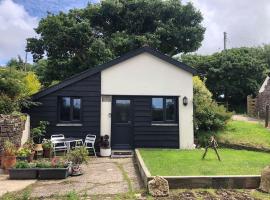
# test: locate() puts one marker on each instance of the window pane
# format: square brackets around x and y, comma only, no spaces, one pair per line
[65,109]
[157,109]
[76,109]
[122,111]
[170,109]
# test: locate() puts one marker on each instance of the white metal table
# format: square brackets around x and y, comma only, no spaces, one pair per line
[67,141]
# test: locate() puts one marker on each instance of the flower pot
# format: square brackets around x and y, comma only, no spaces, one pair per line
[22,158]
[23,173]
[38,147]
[30,158]
[52,173]
[105,152]
[76,170]
[8,161]
[47,152]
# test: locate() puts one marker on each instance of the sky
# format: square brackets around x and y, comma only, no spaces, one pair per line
[247,22]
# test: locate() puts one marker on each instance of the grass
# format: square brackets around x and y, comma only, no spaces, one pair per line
[242,133]
[188,162]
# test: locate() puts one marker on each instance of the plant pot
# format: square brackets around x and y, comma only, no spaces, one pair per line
[23,173]
[105,152]
[21,158]
[76,170]
[8,161]
[47,153]
[30,158]
[52,173]
[38,147]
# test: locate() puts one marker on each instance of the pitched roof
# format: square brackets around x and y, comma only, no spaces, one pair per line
[89,72]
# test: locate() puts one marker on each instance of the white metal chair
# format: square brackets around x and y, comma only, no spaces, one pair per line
[89,143]
[58,145]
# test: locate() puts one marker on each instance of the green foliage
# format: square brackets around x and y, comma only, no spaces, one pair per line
[208,115]
[24,165]
[84,38]
[54,163]
[43,164]
[39,131]
[32,84]
[9,148]
[232,74]
[16,87]
[46,143]
[78,155]
[24,152]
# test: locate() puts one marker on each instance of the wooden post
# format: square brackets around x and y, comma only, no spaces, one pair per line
[266,115]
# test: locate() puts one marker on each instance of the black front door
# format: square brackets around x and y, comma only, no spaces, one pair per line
[122,134]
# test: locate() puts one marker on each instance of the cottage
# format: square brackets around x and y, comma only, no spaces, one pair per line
[141,99]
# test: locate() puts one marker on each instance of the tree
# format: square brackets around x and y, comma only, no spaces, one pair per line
[232,74]
[208,115]
[15,89]
[84,38]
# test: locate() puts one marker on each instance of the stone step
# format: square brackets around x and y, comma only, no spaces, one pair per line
[122,154]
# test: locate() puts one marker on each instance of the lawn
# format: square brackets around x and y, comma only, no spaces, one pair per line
[242,133]
[173,162]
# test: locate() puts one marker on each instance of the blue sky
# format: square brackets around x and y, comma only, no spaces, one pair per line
[39,8]
[247,22]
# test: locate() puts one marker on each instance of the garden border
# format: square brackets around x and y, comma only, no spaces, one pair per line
[177,182]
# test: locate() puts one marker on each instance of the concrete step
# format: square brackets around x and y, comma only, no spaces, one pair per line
[122,154]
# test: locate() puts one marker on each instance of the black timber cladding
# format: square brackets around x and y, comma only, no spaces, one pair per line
[148,135]
[89,89]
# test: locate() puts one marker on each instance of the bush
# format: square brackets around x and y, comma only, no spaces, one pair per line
[78,155]
[208,115]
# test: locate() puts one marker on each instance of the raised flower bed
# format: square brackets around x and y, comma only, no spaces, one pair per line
[23,170]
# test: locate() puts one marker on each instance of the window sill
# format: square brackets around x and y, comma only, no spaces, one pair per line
[69,124]
[163,124]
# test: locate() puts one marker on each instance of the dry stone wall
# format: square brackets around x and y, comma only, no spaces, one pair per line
[11,128]
[263,99]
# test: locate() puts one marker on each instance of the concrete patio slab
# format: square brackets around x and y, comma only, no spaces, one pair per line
[7,185]
[101,176]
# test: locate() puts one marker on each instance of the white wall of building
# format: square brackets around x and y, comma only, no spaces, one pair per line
[146,74]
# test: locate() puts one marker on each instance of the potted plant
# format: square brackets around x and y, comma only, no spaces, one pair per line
[23,154]
[105,148]
[37,134]
[30,145]
[9,156]
[23,170]
[56,169]
[77,157]
[47,148]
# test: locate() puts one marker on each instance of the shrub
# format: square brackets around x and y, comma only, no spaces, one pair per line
[7,105]
[39,131]
[24,152]
[78,155]
[9,148]
[208,115]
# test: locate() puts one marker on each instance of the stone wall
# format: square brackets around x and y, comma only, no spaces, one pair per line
[11,128]
[263,99]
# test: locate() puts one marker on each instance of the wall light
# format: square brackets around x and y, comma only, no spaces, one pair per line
[185,101]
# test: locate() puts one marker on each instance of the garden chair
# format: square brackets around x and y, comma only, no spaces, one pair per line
[58,145]
[89,143]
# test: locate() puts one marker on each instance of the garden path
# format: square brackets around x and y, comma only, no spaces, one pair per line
[246,118]
[7,185]
[101,176]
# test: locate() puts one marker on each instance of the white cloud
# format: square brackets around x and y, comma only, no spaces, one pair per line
[247,23]
[15,26]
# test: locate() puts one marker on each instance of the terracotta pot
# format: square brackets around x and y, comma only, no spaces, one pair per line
[8,161]
[47,153]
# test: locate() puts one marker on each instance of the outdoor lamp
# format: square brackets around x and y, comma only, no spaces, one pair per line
[185,101]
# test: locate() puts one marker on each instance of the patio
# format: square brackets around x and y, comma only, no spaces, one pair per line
[101,176]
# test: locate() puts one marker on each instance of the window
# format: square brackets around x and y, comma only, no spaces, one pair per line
[164,109]
[122,111]
[69,109]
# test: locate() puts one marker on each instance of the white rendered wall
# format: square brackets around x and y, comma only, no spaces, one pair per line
[146,74]
[105,116]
